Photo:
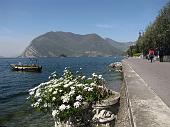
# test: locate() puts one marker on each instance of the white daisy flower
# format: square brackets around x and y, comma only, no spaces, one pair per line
[77,104]
[62,107]
[55,112]
[79,98]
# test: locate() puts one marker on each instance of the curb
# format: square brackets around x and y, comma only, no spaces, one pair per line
[127,99]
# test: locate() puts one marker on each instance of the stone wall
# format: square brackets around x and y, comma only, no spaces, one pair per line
[123,116]
[166,58]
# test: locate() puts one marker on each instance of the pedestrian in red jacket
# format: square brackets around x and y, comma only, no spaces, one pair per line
[151,54]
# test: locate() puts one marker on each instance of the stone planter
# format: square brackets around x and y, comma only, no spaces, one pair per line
[101,113]
[104,110]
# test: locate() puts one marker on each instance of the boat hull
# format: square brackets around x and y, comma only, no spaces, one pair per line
[26,68]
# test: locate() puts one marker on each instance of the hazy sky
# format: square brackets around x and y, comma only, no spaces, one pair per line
[121,20]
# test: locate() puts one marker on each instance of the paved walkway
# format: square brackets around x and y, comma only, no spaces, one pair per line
[144,82]
[156,75]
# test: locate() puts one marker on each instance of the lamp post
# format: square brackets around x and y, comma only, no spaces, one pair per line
[130,51]
[141,33]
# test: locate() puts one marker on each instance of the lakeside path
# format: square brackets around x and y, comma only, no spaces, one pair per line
[156,75]
[148,92]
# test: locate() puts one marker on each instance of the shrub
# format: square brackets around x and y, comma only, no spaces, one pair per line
[64,96]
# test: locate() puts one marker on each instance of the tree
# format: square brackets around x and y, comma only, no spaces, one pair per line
[157,34]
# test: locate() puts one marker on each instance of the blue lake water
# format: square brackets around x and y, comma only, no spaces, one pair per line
[15,110]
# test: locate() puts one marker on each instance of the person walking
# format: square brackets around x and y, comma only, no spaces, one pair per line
[151,54]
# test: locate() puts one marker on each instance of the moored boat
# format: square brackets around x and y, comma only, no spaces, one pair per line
[33,67]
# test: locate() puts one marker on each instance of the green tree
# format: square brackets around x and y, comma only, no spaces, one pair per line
[157,34]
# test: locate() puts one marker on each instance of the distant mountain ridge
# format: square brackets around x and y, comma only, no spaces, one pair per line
[55,44]
[122,46]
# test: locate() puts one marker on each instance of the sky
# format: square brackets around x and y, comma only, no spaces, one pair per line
[121,20]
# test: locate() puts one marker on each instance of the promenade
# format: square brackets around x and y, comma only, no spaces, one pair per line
[148,92]
[156,75]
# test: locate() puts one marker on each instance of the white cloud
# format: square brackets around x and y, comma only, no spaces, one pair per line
[106,26]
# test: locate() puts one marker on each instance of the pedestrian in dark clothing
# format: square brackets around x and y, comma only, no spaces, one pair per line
[161,54]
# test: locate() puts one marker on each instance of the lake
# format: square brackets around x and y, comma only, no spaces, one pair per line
[15,109]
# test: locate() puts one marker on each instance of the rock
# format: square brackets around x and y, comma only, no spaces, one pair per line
[117,66]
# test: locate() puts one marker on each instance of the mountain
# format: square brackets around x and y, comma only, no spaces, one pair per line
[54,44]
[122,46]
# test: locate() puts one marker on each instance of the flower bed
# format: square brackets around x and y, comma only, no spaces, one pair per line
[68,96]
